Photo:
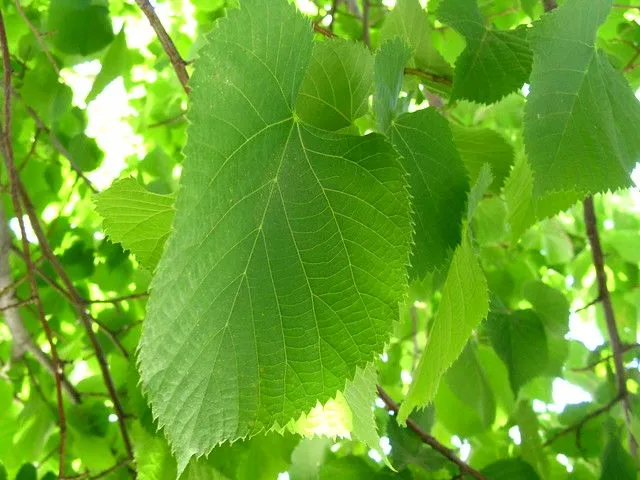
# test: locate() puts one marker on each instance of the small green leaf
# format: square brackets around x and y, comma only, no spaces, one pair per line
[438,184]
[478,190]
[531,444]
[85,152]
[389,74]
[523,209]
[115,63]
[478,146]
[616,462]
[81,26]
[360,394]
[581,118]
[336,88]
[409,21]
[138,219]
[510,469]
[494,64]
[465,403]
[464,304]
[520,341]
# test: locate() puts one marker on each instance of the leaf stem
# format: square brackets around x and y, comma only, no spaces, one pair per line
[430,439]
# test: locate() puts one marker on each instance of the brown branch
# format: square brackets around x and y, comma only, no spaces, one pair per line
[549,5]
[86,319]
[577,427]
[39,38]
[17,304]
[603,293]
[592,365]
[432,77]
[169,121]
[430,439]
[179,65]
[323,31]
[15,197]
[366,34]
[590,304]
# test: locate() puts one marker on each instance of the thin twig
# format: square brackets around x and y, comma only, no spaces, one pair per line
[55,142]
[577,427]
[179,65]
[169,121]
[433,77]
[86,320]
[39,38]
[15,197]
[17,304]
[104,473]
[323,31]
[124,298]
[590,304]
[366,34]
[592,365]
[431,440]
[603,292]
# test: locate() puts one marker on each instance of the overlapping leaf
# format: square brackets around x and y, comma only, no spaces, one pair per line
[494,64]
[465,302]
[337,85]
[277,281]
[581,118]
[136,218]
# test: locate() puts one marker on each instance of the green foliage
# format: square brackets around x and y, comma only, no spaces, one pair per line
[464,305]
[316,311]
[494,63]
[581,114]
[138,219]
[329,254]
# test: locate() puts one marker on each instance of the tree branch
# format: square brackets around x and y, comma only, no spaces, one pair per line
[86,320]
[592,365]
[15,197]
[179,65]
[605,299]
[577,427]
[429,76]
[55,142]
[366,38]
[39,38]
[431,440]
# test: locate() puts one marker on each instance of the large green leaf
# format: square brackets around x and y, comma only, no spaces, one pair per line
[581,118]
[438,184]
[465,302]
[494,64]
[336,88]
[137,218]
[519,339]
[276,282]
